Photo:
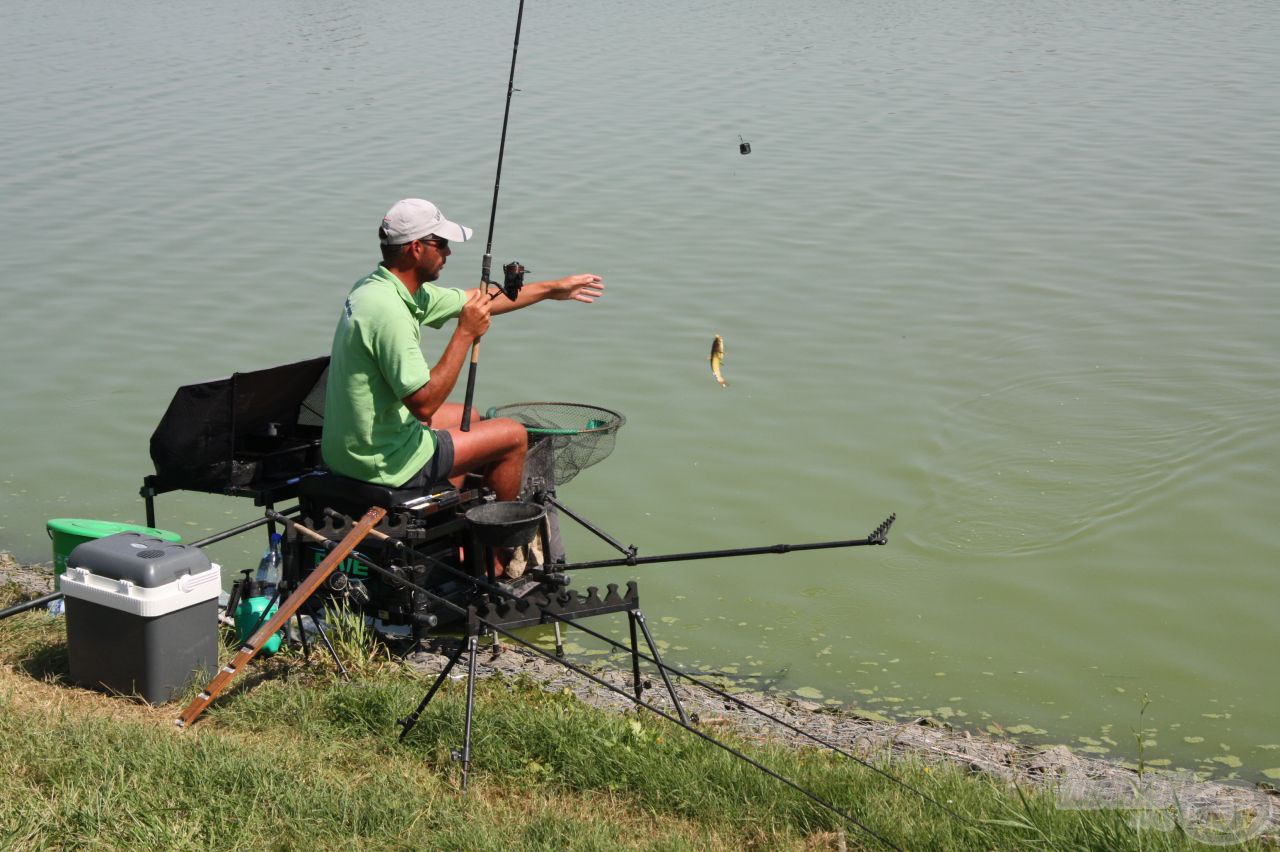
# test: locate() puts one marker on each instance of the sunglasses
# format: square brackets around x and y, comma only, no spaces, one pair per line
[435,241]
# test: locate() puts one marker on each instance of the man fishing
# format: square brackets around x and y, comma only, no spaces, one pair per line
[386,420]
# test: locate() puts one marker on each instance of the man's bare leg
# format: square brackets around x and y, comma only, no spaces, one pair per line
[494,448]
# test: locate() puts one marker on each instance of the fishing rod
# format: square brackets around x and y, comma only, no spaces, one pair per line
[661,665]
[880,536]
[513,273]
[389,575]
[34,603]
[243,528]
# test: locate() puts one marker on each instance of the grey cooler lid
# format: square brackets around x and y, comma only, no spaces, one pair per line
[143,560]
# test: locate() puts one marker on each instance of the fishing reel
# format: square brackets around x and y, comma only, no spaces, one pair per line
[513,279]
[340,586]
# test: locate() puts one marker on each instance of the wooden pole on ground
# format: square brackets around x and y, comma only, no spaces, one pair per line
[250,648]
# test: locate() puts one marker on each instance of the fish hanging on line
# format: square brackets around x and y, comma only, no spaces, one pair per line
[717,358]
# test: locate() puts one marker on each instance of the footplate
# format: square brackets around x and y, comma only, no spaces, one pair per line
[542,608]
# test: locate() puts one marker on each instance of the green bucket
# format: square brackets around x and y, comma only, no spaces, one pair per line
[69,532]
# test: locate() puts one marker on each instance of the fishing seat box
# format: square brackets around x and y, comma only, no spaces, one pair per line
[142,615]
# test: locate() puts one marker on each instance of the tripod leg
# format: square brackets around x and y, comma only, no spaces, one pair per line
[408,722]
[302,637]
[276,598]
[653,649]
[635,655]
[471,703]
[324,637]
[262,616]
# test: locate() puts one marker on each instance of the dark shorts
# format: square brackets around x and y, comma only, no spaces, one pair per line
[437,468]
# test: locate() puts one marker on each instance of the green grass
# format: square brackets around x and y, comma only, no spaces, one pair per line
[300,759]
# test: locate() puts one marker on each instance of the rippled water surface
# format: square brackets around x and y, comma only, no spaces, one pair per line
[1007,269]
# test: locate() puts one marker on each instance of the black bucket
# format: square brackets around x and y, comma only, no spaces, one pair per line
[508,524]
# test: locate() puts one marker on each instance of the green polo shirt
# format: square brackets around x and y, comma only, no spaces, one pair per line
[376,362]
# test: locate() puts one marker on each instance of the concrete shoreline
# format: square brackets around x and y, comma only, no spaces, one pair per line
[1157,799]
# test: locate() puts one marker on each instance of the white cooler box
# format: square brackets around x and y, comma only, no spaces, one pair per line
[142,615]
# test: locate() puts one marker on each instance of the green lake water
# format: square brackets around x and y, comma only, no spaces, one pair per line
[1007,269]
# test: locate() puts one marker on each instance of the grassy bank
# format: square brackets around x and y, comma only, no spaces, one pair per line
[292,757]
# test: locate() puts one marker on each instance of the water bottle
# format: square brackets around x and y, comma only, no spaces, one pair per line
[268,576]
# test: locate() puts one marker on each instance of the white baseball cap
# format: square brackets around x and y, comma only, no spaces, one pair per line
[414,218]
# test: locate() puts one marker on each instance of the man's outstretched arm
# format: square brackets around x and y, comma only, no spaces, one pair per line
[581,288]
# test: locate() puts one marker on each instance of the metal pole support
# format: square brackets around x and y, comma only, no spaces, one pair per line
[412,719]
[471,703]
[638,617]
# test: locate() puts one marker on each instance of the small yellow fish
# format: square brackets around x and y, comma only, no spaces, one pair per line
[717,357]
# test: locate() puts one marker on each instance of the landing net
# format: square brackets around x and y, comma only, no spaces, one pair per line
[580,435]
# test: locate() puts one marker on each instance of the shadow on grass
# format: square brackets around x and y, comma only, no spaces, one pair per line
[36,643]
[47,663]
